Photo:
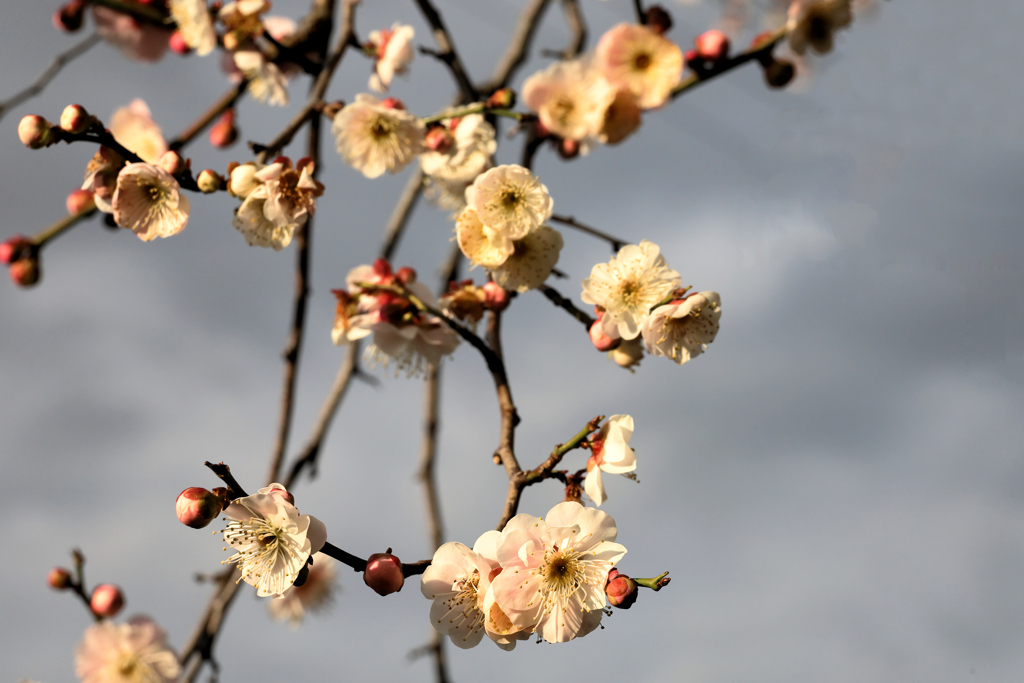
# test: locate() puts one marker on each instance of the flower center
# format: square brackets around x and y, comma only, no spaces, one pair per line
[510,197]
[631,293]
[259,543]
[155,193]
[562,109]
[562,573]
[642,61]
[381,127]
[464,608]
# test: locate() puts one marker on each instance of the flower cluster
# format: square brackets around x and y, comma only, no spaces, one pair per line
[457,151]
[276,199]
[537,576]
[387,305]
[133,652]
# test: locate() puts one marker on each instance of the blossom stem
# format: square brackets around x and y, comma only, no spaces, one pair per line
[101,136]
[446,49]
[61,226]
[760,50]
[479,108]
[77,585]
[655,584]
[544,470]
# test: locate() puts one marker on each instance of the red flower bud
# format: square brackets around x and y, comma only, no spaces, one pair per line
[601,341]
[59,578]
[384,573]
[224,133]
[621,590]
[35,131]
[406,275]
[658,19]
[69,18]
[14,248]
[439,139]
[568,149]
[25,272]
[501,99]
[107,600]
[497,298]
[197,507]
[712,45]
[392,103]
[80,200]
[177,44]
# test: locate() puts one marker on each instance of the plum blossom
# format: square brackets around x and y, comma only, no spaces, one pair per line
[554,570]
[394,53]
[278,199]
[266,81]
[811,24]
[570,98]
[374,138]
[133,126]
[271,539]
[315,595]
[628,286]
[637,58]
[193,20]
[611,453]
[450,171]
[101,177]
[531,260]
[510,200]
[139,40]
[480,244]
[133,652]
[682,329]
[148,201]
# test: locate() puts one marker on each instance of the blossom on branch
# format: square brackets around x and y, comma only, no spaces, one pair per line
[510,200]
[531,261]
[482,246]
[611,453]
[393,54]
[139,40]
[570,98]
[133,126]
[682,329]
[637,58]
[314,595]
[812,22]
[193,20]
[266,81]
[278,199]
[134,652]
[450,170]
[374,136]
[148,201]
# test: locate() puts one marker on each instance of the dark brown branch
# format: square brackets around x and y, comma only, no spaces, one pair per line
[641,15]
[400,216]
[577,29]
[101,136]
[573,223]
[761,51]
[226,101]
[560,301]
[518,47]
[58,63]
[446,50]
[223,473]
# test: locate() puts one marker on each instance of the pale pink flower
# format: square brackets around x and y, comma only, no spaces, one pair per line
[394,54]
[193,20]
[570,98]
[271,539]
[278,199]
[373,138]
[266,81]
[682,329]
[133,126]
[628,286]
[101,177]
[531,262]
[148,201]
[134,652]
[510,200]
[637,58]
[611,453]
[137,40]
[315,595]
[554,570]
[812,24]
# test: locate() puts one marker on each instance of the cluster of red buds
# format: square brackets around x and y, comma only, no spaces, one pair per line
[21,256]
[106,600]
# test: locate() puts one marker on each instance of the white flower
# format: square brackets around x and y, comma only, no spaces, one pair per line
[243,180]
[373,138]
[394,54]
[554,570]
[812,22]
[637,58]
[148,201]
[611,453]
[531,261]
[628,286]
[266,82]
[570,98]
[140,40]
[193,20]
[135,652]
[259,231]
[683,329]
[482,246]
[133,126]
[469,155]
[509,199]
[272,540]
[312,596]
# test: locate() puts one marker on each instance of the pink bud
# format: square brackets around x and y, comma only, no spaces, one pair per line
[406,275]
[80,200]
[384,573]
[621,590]
[628,353]
[392,103]
[712,45]
[224,133]
[35,131]
[25,272]
[69,17]
[690,56]
[75,119]
[107,600]
[439,139]
[178,44]
[14,248]
[568,148]
[600,340]
[197,507]
[502,99]
[497,298]
[59,578]
[171,162]
[382,269]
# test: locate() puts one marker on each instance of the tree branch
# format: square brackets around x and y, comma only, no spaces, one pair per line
[518,47]
[226,101]
[573,223]
[58,63]
[446,50]
[560,301]
[761,50]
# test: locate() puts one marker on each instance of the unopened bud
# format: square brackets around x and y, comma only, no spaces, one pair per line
[384,573]
[171,162]
[502,99]
[25,272]
[621,590]
[690,58]
[393,103]
[178,44]
[331,109]
[243,180]
[658,19]
[628,353]
[107,600]
[438,139]
[75,119]
[35,131]
[712,45]
[80,201]
[497,298]
[59,578]
[70,17]
[778,73]
[600,340]
[209,181]
[197,507]
[406,275]
[224,133]
[15,248]
[568,148]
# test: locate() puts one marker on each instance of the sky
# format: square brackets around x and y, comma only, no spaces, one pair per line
[836,486]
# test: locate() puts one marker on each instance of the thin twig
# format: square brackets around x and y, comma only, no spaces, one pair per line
[573,223]
[400,216]
[641,15]
[518,47]
[760,51]
[577,29]
[509,419]
[446,50]
[58,63]
[560,301]
[226,101]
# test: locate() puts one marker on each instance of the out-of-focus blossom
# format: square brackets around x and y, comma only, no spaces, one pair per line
[135,652]
[243,180]
[452,170]
[570,98]
[812,24]
[621,118]
[193,20]
[554,570]
[315,595]
[628,353]
[682,329]
[464,301]
[611,453]
[139,40]
[394,53]
[266,82]
[510,200]
[374,138]
[637,58]
[133,126]
[148,201]
[242,22]
[628,286]
[531,261]
[272,540]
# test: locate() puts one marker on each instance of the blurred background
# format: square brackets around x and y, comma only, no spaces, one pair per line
[836,486]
